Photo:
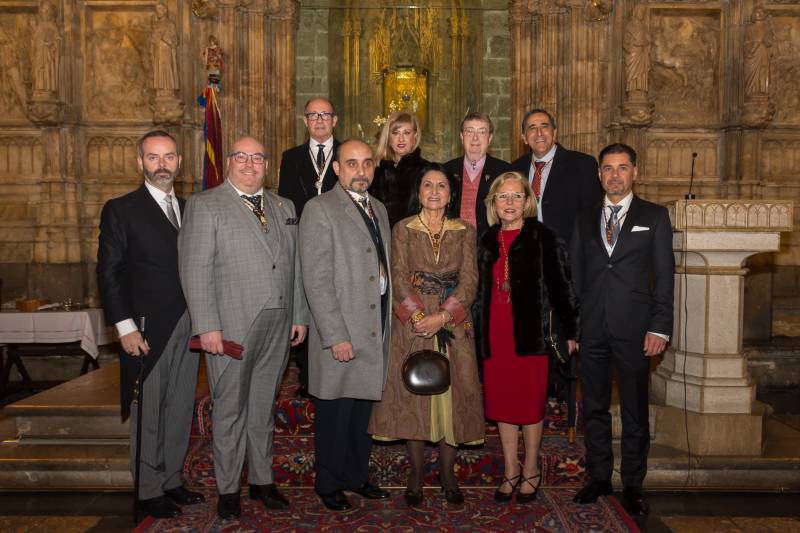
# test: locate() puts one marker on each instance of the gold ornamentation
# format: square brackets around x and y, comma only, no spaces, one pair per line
[435,238]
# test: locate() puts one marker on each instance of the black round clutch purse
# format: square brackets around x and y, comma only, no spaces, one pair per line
[426,372]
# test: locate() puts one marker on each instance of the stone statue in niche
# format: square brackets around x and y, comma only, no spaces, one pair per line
[13,94]
[214,60]
[46,47]
[167,109]
[44,108]
[758,110]
[636,47]
[163,52]
[785,69]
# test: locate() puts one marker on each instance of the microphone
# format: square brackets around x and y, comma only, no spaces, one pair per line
[690,195]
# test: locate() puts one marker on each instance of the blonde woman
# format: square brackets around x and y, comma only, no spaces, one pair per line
[400,165]
[523,273]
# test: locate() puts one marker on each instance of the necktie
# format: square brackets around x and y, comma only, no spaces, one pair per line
[255,202]
[612,225]
[320,158]
[537,178]
[173,219]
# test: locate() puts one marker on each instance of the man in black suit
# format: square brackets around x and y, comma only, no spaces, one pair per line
[622,268]
[475,171]
[564,182]
[137,274]
[306,172]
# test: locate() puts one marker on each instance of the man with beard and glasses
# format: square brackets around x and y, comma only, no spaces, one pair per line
[137,274]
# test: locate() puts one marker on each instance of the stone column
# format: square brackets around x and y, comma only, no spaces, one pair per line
[280,42]
[228,98]
[521,27]
[704,371]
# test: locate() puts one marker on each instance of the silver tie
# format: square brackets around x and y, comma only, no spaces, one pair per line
[173,219]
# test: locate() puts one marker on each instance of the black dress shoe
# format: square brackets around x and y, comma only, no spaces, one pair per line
[270,496]
[413,498]
[229,506]
[505,497]
[636,502]
[160,507]
[183,496]
[371,492]
[335,501]
[593,490]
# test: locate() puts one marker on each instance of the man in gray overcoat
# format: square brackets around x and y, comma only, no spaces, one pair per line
[240,272]
[344,246]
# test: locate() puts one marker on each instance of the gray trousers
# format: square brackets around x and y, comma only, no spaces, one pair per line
[244,395]
[167,409]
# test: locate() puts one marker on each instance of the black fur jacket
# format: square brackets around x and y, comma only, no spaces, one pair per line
[539,276]
[394,186]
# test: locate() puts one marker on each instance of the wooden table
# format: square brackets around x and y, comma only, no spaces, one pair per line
[47,333]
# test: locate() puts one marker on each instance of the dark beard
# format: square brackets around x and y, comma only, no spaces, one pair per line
[160,180]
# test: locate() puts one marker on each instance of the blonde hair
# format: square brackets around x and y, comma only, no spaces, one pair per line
[491,213]
[398,117]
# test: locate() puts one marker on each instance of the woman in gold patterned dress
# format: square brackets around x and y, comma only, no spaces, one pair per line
[434,277]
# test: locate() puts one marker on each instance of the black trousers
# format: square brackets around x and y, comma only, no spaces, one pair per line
[598,357]
[342,445]
[300,354]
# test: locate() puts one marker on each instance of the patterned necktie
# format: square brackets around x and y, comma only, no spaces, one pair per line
[537,178]
[255,202]
[173,219]
[612,225]
[320,158]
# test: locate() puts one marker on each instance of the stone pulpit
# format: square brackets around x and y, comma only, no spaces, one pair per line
[704,374]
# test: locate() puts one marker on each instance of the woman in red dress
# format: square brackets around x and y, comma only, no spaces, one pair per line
[524,273]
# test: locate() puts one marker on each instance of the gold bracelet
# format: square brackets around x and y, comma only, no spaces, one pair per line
[417,316]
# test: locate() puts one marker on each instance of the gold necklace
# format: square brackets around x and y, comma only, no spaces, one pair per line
[435,238]
[506,286]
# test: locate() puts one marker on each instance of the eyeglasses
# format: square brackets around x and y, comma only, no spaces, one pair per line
[319,116]
[506,196]
[482,132]
[242,157]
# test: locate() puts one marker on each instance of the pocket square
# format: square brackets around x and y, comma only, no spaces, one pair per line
[640,228]
[292,221]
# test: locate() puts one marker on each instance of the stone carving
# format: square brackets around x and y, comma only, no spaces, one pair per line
[111,156]
[734,214]
[672,157]
[779,159]
[597,10]
[116,73]
[213,57]
[14,39]
[164,67]
[44,107]
[204,9]
[21,157]
[685,48]
[758,110]
[785,69]
[636,47]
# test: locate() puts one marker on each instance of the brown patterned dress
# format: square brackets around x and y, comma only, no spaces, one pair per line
[457,414]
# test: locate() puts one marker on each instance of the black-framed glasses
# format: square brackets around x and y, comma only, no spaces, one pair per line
[243,157]
[314,115]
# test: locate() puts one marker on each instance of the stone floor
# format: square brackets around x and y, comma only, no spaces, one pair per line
[688,512]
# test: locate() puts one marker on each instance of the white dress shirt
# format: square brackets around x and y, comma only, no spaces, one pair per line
[548,159]
[327,150]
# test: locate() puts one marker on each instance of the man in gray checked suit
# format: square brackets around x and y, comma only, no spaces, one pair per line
[241,275]
[344,246]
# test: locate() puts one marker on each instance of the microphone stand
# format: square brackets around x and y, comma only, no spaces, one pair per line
[137,400]
[690,195]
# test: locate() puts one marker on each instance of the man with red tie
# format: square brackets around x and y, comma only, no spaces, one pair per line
[564,182]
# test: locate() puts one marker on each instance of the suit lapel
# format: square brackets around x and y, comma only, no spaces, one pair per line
[307,172]
[555,177]
[330,179]
[154,211]
[246,217]
[595,228]
[276,216]
[352,211]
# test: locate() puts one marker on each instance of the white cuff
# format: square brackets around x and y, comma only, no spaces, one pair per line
[665,337]
[126,326]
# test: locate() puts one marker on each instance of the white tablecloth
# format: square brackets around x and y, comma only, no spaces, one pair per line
[87,326]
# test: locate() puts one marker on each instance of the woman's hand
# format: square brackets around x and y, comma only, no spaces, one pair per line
[428,326]
[572,346]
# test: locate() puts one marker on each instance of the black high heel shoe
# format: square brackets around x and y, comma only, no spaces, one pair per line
[523,497]
[413,498]
[453,495]
[505,497]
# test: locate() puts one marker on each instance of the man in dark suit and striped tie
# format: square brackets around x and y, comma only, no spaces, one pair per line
[137,273]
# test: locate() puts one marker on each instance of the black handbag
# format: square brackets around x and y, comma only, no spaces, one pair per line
[426,372]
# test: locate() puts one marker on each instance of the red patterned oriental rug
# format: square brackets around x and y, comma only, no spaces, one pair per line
[553,511]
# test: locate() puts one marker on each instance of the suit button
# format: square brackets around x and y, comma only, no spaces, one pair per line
[610,266]
[372,306]
[273,267]
[369,250]
[373,334]
[372,278]
[280,297]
